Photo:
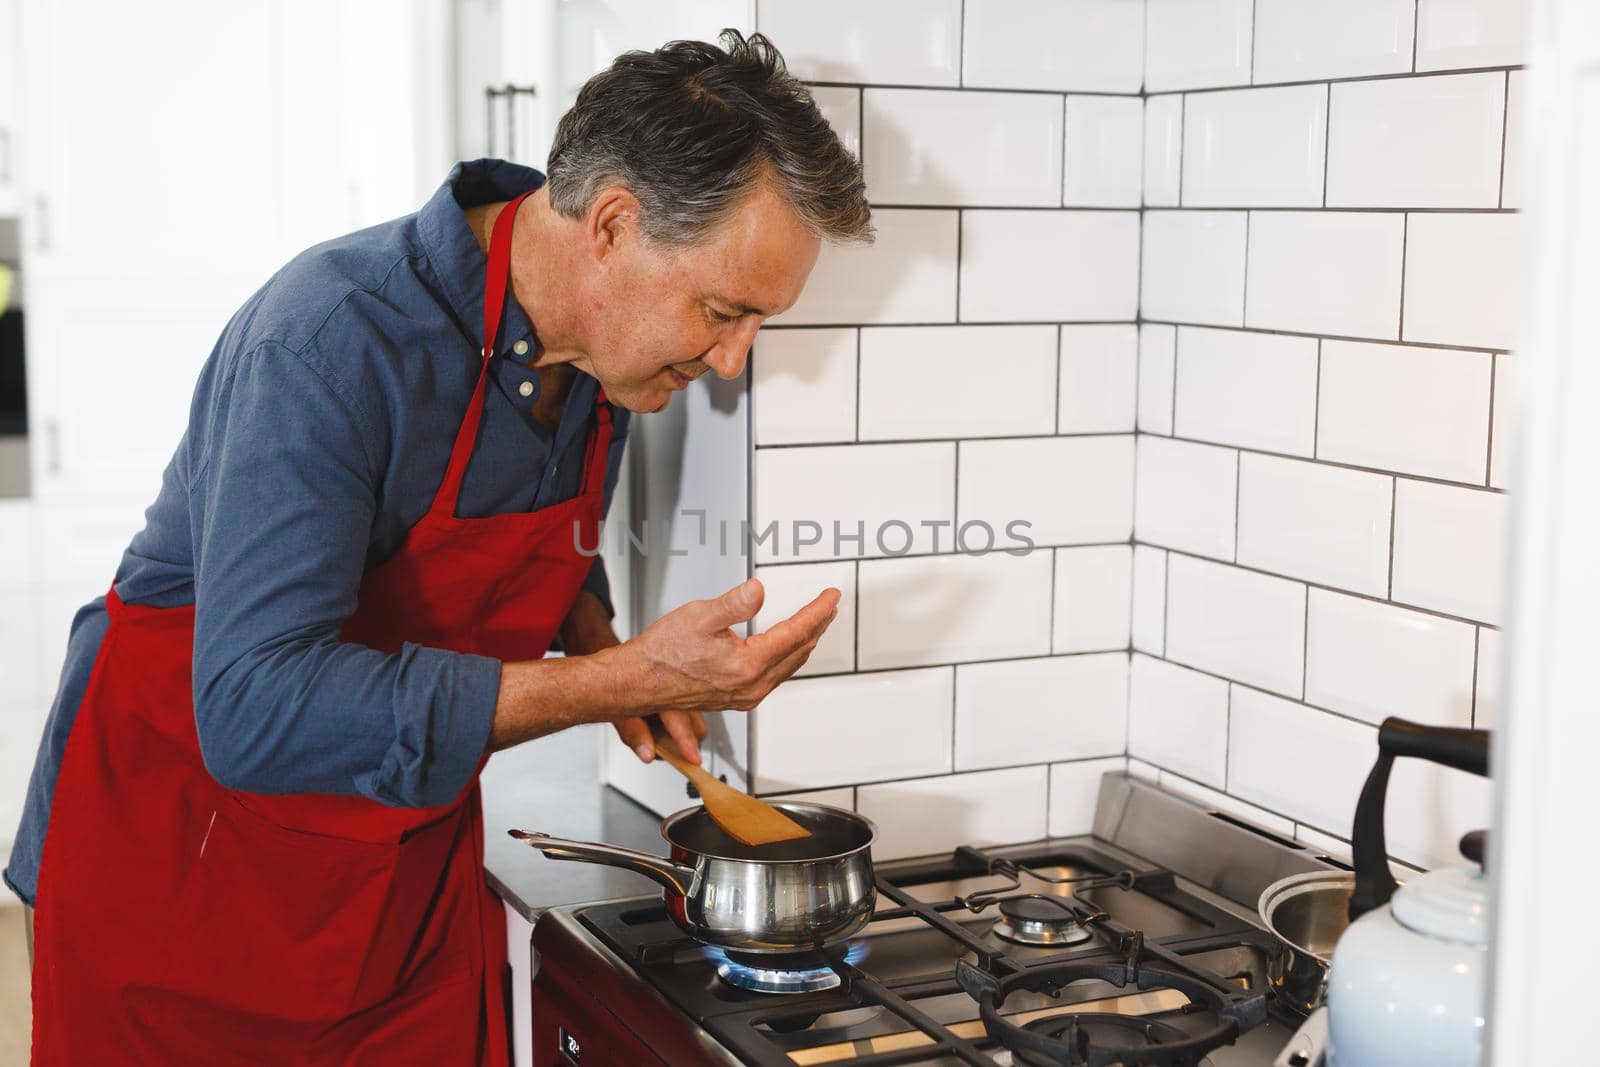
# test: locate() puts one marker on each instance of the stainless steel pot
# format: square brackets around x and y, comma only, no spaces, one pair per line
[1306,913]
[793,895]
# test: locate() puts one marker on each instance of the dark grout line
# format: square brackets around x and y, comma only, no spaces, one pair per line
[1477,646]
[1012,90]
[1305,646]
[1324,336]
[1398,76]
[855,639]
[1416,24]
[961,225]
[1316,406]
[1059,358]
[964,323]
[1488,460]
[1505,123]
[1183,145]
[1238,498]
[961,48]
[1405,243]
[1394,501]
[1311,584]
[1306,209]
[1327,140]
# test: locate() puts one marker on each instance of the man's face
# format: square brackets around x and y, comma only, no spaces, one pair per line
[660,317]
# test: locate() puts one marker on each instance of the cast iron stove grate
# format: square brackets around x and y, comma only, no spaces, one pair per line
[763,1030]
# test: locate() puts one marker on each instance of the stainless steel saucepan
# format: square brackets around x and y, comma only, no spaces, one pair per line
[794,895]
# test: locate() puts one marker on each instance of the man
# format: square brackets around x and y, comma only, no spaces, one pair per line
[253,832]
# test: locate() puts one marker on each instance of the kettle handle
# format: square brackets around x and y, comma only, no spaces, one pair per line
[1465,750]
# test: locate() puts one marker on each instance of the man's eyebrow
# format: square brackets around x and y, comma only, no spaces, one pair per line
[743,309]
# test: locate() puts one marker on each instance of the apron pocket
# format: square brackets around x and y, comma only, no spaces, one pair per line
[308,917]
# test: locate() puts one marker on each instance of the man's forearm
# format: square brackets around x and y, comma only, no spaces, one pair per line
[542,696]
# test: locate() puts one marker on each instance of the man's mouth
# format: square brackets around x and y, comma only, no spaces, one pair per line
[679,381]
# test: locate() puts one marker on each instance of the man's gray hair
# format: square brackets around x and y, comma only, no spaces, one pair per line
[691,128]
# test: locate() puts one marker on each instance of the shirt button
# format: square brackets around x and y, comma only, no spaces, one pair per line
[526,388]
[521,349]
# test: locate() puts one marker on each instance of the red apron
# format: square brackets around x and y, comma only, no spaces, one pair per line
[183,923]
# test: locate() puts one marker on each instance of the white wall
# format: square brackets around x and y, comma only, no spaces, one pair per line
[1319,378]
[976,364]
[1327,300]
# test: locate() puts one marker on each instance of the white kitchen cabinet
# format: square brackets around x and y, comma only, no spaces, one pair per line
[10,108]
[178,154]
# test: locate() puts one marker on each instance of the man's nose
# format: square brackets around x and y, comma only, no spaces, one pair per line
[727,357]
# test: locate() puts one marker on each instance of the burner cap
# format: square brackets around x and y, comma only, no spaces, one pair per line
[1040,920]
[781,972]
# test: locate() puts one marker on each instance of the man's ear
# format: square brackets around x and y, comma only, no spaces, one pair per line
[612,222]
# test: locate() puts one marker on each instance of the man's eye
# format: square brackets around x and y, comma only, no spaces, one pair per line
[717,316]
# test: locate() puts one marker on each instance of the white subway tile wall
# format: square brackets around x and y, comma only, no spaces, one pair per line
[1325,272]
[1230,279]
[929,146]
[1104,151]
[1302,40]
[1163,150]
[1253,390]
[1255,147]
[1099,379]
[1158,346]
[1028,710]
[1319,524]
[923,815]
[1062,266]
[917,382]
[1193,267]
[898,722]
[1314,521]
[1416,142]
[1093,598]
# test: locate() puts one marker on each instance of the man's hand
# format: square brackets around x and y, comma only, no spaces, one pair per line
[586,629]
[689,661]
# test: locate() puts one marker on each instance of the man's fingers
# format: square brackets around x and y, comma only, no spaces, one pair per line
[807,624]
[681,730]
[636,735]
[785,667]
[701,730]
[737,605]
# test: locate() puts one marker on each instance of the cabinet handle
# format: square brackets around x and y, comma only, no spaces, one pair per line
[52,446]
[5,156]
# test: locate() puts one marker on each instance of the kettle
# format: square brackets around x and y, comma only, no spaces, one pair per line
[1406,983]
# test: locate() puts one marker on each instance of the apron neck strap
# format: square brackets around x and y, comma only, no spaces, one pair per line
[494,288]
[494,301]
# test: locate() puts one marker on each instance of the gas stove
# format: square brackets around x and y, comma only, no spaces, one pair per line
[1067,951]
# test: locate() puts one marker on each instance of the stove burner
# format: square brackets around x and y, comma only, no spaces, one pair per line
[1040,920]
[1092,1039]
[786,972]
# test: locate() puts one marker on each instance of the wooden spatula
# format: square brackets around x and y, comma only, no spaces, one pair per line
[746,819]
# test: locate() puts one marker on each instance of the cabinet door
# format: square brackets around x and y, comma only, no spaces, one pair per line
[151,136]
[112,364]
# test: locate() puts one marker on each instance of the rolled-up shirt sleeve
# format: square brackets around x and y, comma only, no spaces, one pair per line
[282,512]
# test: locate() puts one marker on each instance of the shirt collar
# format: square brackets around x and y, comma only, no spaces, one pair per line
[453,251]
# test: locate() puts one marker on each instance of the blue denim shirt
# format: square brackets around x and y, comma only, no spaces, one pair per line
[319,432]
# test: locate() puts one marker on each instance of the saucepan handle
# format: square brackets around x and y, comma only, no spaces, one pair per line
[674,876]
[1465,750]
